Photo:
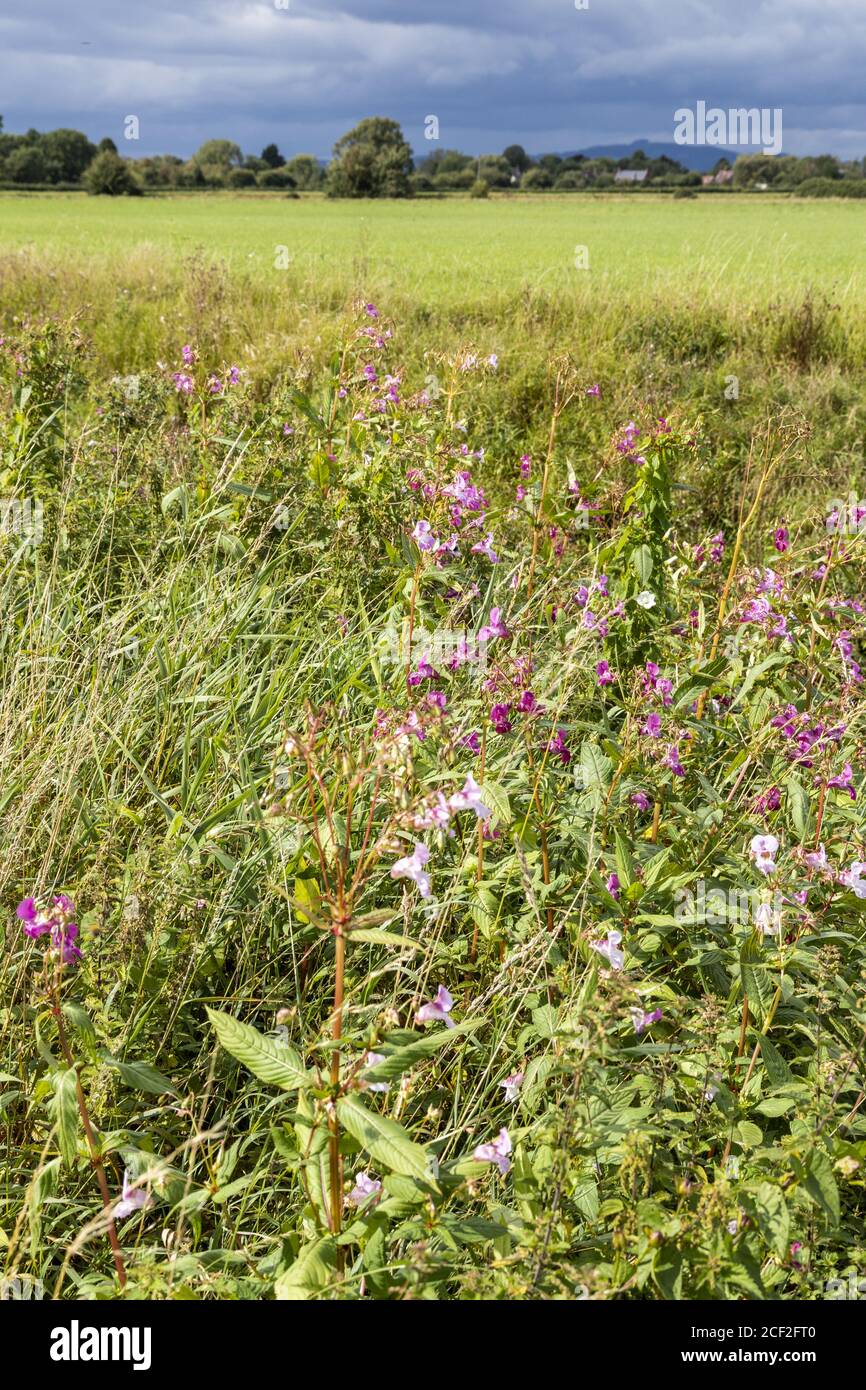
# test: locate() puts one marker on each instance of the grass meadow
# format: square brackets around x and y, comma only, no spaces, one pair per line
[432,747]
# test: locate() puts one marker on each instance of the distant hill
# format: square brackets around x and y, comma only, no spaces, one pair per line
[699,157]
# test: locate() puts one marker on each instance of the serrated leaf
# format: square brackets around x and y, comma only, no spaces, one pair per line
[771,1211]
[268,1059]
[384,1139]
[755,977]
[496,797]
[310,1273]
[66,1114]
[821,1185]
[642,563]
[374,937]
[777,1069]
[402,1058]
[142,1077]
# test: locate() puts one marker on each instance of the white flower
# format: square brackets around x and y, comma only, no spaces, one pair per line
[469,799]
[413,867]
[763,850]
[512,1085]
[647,599]
[372,1059]
[496,1152]
[769,919]
[132,1199]
[610,949]
[853,878]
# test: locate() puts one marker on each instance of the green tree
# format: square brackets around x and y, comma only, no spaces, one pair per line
[67,154]
[214,159]
[272,157]
[110,175]
[26,164]
[539,178]
[275,178]
[371,161]
[305,170]
[241,178]
[517,158]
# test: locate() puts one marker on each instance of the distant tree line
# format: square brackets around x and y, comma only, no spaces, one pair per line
[374,160]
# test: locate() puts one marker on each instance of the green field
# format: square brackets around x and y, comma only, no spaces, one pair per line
[680,298]
[457,251]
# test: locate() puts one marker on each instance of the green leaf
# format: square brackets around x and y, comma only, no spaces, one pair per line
[799,809]
[771,1212]
[755,977]
[142,1076]
[642,563]
[821,1185]
[66,1114]
[384,1140]
[310,1273]
[594,772]
[749,1135]
[402,1058]
[79,1018]
[266,1058]
[774,1106]
[496,797]
[625,864]
[375,937]
[777,1069]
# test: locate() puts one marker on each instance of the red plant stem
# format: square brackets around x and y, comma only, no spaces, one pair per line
[333,1124]
[93,1147]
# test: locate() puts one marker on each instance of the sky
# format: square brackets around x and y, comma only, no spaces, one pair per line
[542,73]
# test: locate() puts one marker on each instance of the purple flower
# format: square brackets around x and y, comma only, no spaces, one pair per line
[412,867]
[365,1187]
[469,799]
[437,1010]
[131,1199]
[485,548]
[183,383]
[642,1020]
[557,746]
[495,628]
[56,920]
[188,354]
[671,759]
[844,781]
[496,1151]
[423,536]
[780,539]
[652,726]
[613,885]
[499,718]
[371,311]
[641,801]
[605,675]
[853,878]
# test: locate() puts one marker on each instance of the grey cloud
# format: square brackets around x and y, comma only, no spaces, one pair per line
[493,71]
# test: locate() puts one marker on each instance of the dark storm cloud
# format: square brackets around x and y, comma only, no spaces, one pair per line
[493,71]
